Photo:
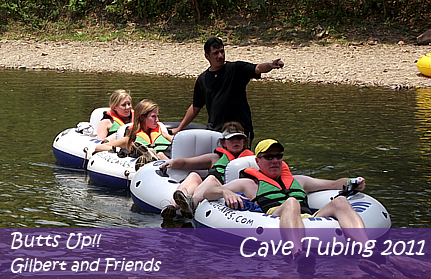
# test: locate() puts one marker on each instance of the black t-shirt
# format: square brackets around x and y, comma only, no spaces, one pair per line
[223,92]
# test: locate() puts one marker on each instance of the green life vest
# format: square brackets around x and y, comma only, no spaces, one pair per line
[271,193]
[117,121]
[155,140]
[219,167]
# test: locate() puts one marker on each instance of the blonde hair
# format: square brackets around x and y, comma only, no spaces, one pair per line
[117,96]
[237,127]
[142,109]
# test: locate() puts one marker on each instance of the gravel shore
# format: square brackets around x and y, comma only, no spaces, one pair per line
[365,65]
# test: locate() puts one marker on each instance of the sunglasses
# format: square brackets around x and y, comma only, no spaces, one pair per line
[269,157]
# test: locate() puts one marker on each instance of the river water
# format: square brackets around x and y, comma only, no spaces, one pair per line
[328,131]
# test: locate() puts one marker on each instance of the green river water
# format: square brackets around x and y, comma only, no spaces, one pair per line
[328,131]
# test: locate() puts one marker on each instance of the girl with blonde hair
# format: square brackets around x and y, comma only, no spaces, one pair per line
[146,129]
[120,113]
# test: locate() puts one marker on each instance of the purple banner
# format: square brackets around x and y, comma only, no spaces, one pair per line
[139,253]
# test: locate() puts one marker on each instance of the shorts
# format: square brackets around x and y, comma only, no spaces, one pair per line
[303,215]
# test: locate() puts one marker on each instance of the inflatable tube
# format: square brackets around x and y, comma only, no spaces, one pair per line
[121,132]
[152,189]
[107,169]
[74,146]
[146,194]
[216,214]
[191,126]
[424,64]
[74,149]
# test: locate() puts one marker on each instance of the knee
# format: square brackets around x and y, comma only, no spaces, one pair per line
[195,177]
[341,203]
[212,180]
[291,206]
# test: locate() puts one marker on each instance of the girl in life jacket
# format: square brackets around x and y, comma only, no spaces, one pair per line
[120,113]
[146,129]
[233,144]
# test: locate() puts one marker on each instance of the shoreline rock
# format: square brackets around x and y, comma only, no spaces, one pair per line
[359,64]
[424,38]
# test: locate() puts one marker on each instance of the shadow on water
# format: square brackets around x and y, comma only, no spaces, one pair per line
[328,131]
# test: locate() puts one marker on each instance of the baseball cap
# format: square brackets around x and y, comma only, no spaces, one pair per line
[231,131]
[264,145]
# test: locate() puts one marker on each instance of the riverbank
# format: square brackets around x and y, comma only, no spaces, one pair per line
[360,64]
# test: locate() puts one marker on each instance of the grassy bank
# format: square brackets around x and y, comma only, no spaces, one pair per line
[234,30]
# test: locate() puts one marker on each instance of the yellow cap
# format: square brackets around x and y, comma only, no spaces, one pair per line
[264,145]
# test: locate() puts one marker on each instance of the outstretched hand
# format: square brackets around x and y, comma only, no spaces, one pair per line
[277,64]
[269,66]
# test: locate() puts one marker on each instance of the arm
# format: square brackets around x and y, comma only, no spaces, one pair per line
[228,192]
[311,184]
[167,136]
[191,113]
[165,132]
[111,137]
[202,162]
[103,128]
[121,143]
[267,67]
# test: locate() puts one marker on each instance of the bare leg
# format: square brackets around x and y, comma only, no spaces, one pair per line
[209,182]
[188,186]
[351,222]
[347,218]
[290,217]
[188,197]
[292,229]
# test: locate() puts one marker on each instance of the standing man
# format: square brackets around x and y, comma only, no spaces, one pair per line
[222,89]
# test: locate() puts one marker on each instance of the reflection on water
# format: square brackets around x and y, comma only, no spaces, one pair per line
[328,132]
[423,115]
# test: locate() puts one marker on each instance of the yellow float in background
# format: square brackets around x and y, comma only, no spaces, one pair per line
[424,64]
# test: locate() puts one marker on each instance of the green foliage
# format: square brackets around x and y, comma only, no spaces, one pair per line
[127,10]
[37,14]
[34,13]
